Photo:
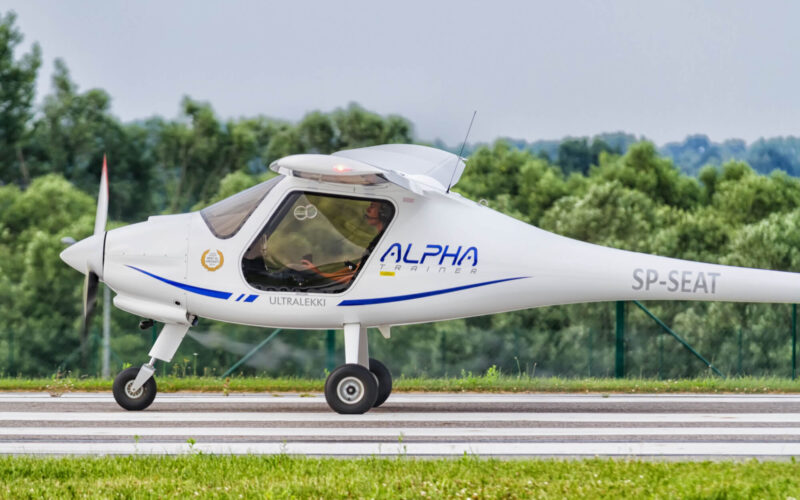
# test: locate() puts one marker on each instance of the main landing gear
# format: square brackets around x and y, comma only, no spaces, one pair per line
[362,382]
[135,388]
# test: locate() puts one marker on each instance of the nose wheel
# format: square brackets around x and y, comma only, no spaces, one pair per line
[130,398]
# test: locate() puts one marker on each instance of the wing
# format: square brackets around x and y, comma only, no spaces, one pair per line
[412,167]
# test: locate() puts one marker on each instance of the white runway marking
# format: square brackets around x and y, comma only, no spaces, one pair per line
[412,449]
[394,432]
[623,426]
[326,416]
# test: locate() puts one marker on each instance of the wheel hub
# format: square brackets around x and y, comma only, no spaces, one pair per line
[350,390]
[131,393]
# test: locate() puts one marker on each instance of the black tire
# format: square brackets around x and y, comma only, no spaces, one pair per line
[138,401]
[351,389]
[384,377]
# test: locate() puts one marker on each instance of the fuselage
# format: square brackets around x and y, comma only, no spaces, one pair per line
[440,256]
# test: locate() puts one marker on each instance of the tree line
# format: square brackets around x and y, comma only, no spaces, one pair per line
[613,190]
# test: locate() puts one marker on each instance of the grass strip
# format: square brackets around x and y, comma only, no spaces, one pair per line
[283,476]
[491,382]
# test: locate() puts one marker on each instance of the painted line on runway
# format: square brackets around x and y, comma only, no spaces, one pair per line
[411,449]
[394,432]
[193,398]
[391,417]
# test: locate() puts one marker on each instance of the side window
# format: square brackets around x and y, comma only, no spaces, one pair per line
[315,243]
[225,218]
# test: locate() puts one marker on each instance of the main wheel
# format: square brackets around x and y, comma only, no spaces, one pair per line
[130,399]
[384,377]
[351,389]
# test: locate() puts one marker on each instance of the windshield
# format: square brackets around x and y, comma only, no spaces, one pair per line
[316,242]
[226,217]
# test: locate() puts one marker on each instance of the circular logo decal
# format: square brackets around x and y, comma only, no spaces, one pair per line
[303,212]
[212,260]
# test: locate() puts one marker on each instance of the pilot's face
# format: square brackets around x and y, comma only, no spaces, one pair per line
[372,214]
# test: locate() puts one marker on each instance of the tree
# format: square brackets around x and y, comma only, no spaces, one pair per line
[781,153]
[642,169]
[193,154]
[317,133]
[17,88]
[574,156]
[493,172]
[30,233]
[358,128]
[744,197]
[608,214]
[577,155]
[73,133]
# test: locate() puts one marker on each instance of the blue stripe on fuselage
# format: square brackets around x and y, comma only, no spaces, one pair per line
[189,288]
[398,298]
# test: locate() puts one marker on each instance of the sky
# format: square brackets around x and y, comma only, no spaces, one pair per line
[532,70]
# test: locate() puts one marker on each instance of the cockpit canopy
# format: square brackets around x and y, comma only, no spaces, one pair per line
[224,218]
[312,242]
[316,242]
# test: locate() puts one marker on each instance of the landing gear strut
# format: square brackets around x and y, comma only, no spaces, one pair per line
[135,388]
[360,384]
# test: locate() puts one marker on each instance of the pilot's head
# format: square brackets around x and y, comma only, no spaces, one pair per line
[377,214]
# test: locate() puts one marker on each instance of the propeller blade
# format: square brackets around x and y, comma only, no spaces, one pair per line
[102,201]
[90,286]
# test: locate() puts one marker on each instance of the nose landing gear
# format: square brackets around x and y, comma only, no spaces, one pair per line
[135,387]
[130,398]
[360,384]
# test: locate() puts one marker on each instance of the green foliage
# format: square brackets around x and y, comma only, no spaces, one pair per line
[577,155]
[643,170]
[17,89]
[516,182]
[608,214]
[494,380]
[764,155]
[620,203]
[231,184]
[745,197]
[73,133]
[285,476]
[30,233]
[613,189]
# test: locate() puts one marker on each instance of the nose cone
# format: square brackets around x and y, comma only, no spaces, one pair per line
[86,254]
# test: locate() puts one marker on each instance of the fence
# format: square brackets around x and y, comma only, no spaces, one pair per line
[658,340]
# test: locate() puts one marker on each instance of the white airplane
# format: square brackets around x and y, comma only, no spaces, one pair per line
[366,238]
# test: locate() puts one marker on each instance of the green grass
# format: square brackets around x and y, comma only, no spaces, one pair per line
[208,476]
[492,381]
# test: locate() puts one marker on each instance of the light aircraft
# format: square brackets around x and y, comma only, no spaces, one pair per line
[366,238]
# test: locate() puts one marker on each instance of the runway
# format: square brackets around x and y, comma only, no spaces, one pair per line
[665,427]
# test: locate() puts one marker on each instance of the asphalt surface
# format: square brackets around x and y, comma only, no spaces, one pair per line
[666,427]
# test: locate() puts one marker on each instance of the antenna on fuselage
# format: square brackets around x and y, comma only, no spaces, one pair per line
[458,158]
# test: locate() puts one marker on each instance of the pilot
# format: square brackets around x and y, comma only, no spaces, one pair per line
[377,215]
